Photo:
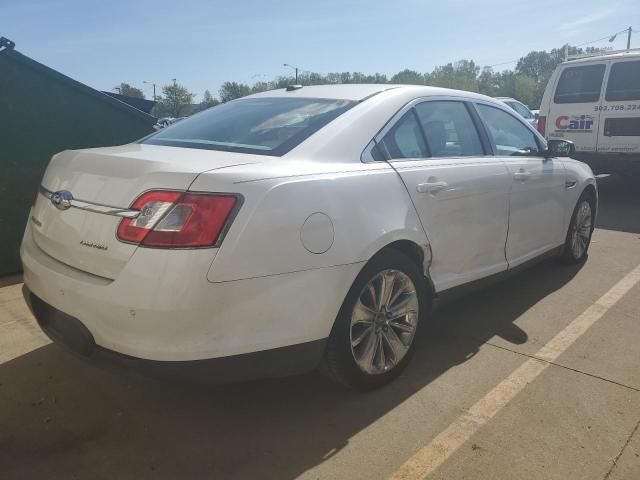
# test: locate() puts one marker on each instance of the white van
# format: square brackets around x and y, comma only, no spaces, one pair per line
[594,101]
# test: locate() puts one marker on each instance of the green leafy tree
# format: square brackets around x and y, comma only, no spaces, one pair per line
[232,90]
[129,91]
[462,75]
[209,100]
[260,87]
[488,82]
[408,77]
[175,101]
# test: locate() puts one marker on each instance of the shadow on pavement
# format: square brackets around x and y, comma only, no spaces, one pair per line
[619,203]
[62,418]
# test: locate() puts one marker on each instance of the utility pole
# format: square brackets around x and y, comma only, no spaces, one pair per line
[629,39]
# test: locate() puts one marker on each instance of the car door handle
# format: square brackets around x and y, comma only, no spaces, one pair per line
[431,187]
[522,175]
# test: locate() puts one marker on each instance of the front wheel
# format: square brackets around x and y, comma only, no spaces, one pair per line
[580,230]
[373,336]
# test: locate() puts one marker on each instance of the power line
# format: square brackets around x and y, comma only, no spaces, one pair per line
[580,45]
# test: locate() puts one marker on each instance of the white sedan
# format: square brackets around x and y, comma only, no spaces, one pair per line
[297,228]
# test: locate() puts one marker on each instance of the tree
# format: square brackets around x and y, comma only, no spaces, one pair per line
[260,87]
[175,101]
[488,82]
[525,89]
[462,75]
[408,77]
[232,90]
[208,100]
[129,91]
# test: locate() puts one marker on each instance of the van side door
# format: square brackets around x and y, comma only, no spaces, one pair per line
[574,106]
[619,130]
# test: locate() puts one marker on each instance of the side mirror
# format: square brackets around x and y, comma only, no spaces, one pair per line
[560,148]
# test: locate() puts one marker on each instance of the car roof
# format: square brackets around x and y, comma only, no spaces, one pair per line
[358,92]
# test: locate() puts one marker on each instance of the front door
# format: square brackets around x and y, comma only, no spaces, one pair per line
[460,194]
[537,198]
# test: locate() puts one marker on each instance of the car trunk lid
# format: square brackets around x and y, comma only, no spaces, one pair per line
[108,180]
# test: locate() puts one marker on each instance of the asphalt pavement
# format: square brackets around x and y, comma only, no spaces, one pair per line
[537,377]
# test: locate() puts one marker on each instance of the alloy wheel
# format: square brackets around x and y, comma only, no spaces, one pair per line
[582,226]
[384,322]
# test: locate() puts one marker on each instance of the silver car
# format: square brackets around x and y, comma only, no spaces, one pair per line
[522,109]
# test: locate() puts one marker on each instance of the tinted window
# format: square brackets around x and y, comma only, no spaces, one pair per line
[622,127]
[580,84]
[269,126]
[624,82]
[509,135]
[449,129]
[405,139]
[521,109]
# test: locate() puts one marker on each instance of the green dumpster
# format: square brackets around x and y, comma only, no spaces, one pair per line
[43,112]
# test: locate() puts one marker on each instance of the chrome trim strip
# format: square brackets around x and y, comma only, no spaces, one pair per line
[94,207]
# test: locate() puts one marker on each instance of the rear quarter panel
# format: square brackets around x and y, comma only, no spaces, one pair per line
[367,204]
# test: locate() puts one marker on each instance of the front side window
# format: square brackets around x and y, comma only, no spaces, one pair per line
[264,126]
[624,82]
[580,84]
[405,139]
[509,135]
[449,129]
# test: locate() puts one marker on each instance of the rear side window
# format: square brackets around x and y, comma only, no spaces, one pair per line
[405,139]
[624,82]
[449,129]
[508,134]
[266,126]
[580,84]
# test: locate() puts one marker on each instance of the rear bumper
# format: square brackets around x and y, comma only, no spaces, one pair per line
[161,306]
[75,336]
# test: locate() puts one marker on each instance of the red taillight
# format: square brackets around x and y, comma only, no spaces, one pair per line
[177,220]
[542,125]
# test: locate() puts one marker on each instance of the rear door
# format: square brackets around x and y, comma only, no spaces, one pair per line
[575,104]
[460,193]
[620,109]
[537,196]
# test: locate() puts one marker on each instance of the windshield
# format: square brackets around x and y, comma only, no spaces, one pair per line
[267,126]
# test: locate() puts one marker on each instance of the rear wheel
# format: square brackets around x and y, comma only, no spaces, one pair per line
[580,230]
[373,337]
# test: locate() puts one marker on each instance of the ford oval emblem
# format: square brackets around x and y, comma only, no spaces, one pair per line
[62,199]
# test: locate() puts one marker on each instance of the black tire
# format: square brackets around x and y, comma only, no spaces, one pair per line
[569,254]
[339,361]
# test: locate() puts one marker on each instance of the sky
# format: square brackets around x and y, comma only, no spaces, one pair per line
[204,43]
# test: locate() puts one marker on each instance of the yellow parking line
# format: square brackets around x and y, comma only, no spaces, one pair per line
[430,457]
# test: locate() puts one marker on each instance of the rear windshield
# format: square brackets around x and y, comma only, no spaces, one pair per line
[580,84]
[266,126]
